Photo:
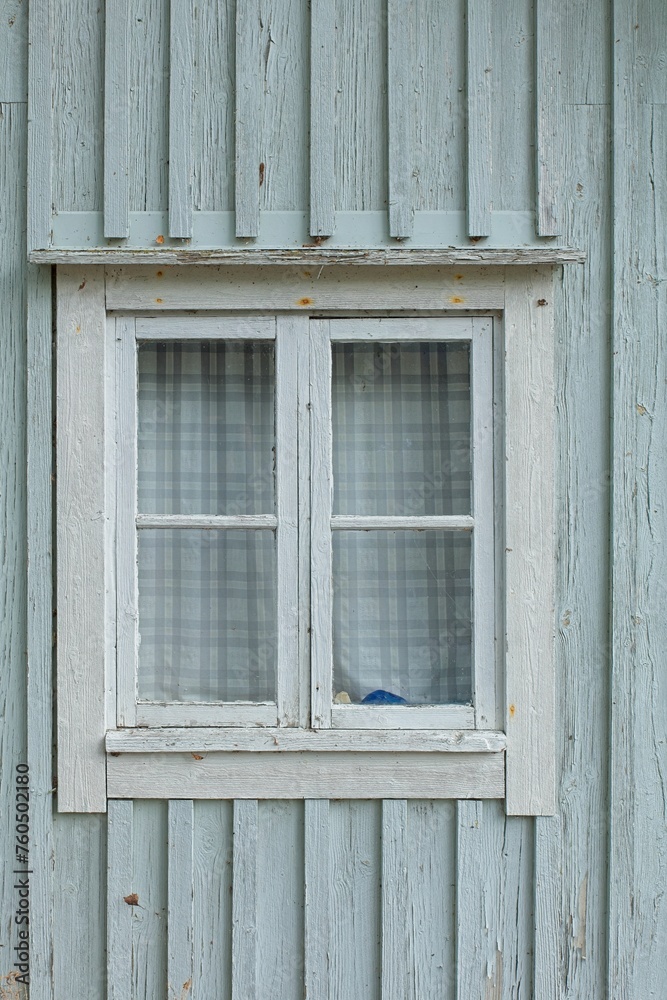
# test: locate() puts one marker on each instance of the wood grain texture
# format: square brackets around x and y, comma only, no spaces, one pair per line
[180,957]
[14,39]
[13,736]
[400,56]
[39,490]
[149,108]
[397,968]
[317,891]
[248,117]
[513,125]
[284,289]
[355,899]
[120,856]
[342,774]
[493,903]
[439,100]
[322,118]
[244,900]
[39,128]
[213,108]
[479,83]
[284,81]
[79,907]
[529,549]
[149,956]
[638,847]
[181,69]
[571,849]
[212,889]
[276,740]
[77,34]
[361,105]
[280,900]
[116,123]
[81,540]
[548,130]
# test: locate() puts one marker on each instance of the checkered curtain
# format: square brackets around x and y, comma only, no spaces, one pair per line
[401,445]
[207,598]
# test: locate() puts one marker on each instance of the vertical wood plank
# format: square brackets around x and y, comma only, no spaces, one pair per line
[212,890]
[400,52]
[529,579]
[244,900]
[248,117]
[40,628]
[120,871]
[320,525]
[638,848]
[317,877]
[322,117]
[493,903]
[150,915]
[149,108]
[548,131]
[39,127]
[479,82]
[81,539]
[180,118]
[288,330]
[397,967]
[180,958]
[116,120]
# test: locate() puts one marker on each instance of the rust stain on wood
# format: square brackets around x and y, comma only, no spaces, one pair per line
[305,301]
[132,899]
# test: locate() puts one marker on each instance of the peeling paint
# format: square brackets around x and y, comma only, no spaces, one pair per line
[580,936]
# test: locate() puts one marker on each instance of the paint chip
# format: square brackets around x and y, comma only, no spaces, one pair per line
[159,239]
[132,899]
[512,711]
[641,410]
[542,302]
[159,274]
[197,756]
[456,300]
[305,301]
[158,300]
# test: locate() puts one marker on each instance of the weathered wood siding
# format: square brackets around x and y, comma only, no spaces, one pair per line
[280,122]
[571,906]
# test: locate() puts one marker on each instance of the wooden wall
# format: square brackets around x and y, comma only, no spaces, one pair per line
[572,906]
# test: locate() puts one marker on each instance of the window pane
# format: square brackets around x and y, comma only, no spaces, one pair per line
[206,427]
[207,615]
[402,615]
[401,428]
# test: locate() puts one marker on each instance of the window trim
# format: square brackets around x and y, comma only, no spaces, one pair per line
[525,770]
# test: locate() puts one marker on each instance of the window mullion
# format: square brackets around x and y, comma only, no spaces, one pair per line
[321,505]
[287,539]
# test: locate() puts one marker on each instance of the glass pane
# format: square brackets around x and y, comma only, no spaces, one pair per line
[401,428]
[207,615]
[402,617]
[206,427]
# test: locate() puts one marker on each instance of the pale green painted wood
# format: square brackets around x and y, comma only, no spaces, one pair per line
[479,84]
[181,56]
[398,974]
[39,127]
[79,906]
[317,889]
[120,856]
[638,842]
[149,109]
[116,125]
[322,116]
[355,914]
[77,32]
[13,43]
[212,890]
[249,103]
[244,899]
[180,956]
[400,131]
[12,510]
[548,126]
[40,633]
[280,901]
[149,955]
[513,104]
[571,850]
[213,108]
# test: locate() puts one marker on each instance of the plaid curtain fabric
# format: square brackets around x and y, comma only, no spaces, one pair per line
[401,428]
[402,615]
[401,446]
[207,598]
[207,615]
[206,427]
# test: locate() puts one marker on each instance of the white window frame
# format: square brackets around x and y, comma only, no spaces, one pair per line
[514,758]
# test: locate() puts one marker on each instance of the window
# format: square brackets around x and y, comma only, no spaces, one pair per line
[284,535]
